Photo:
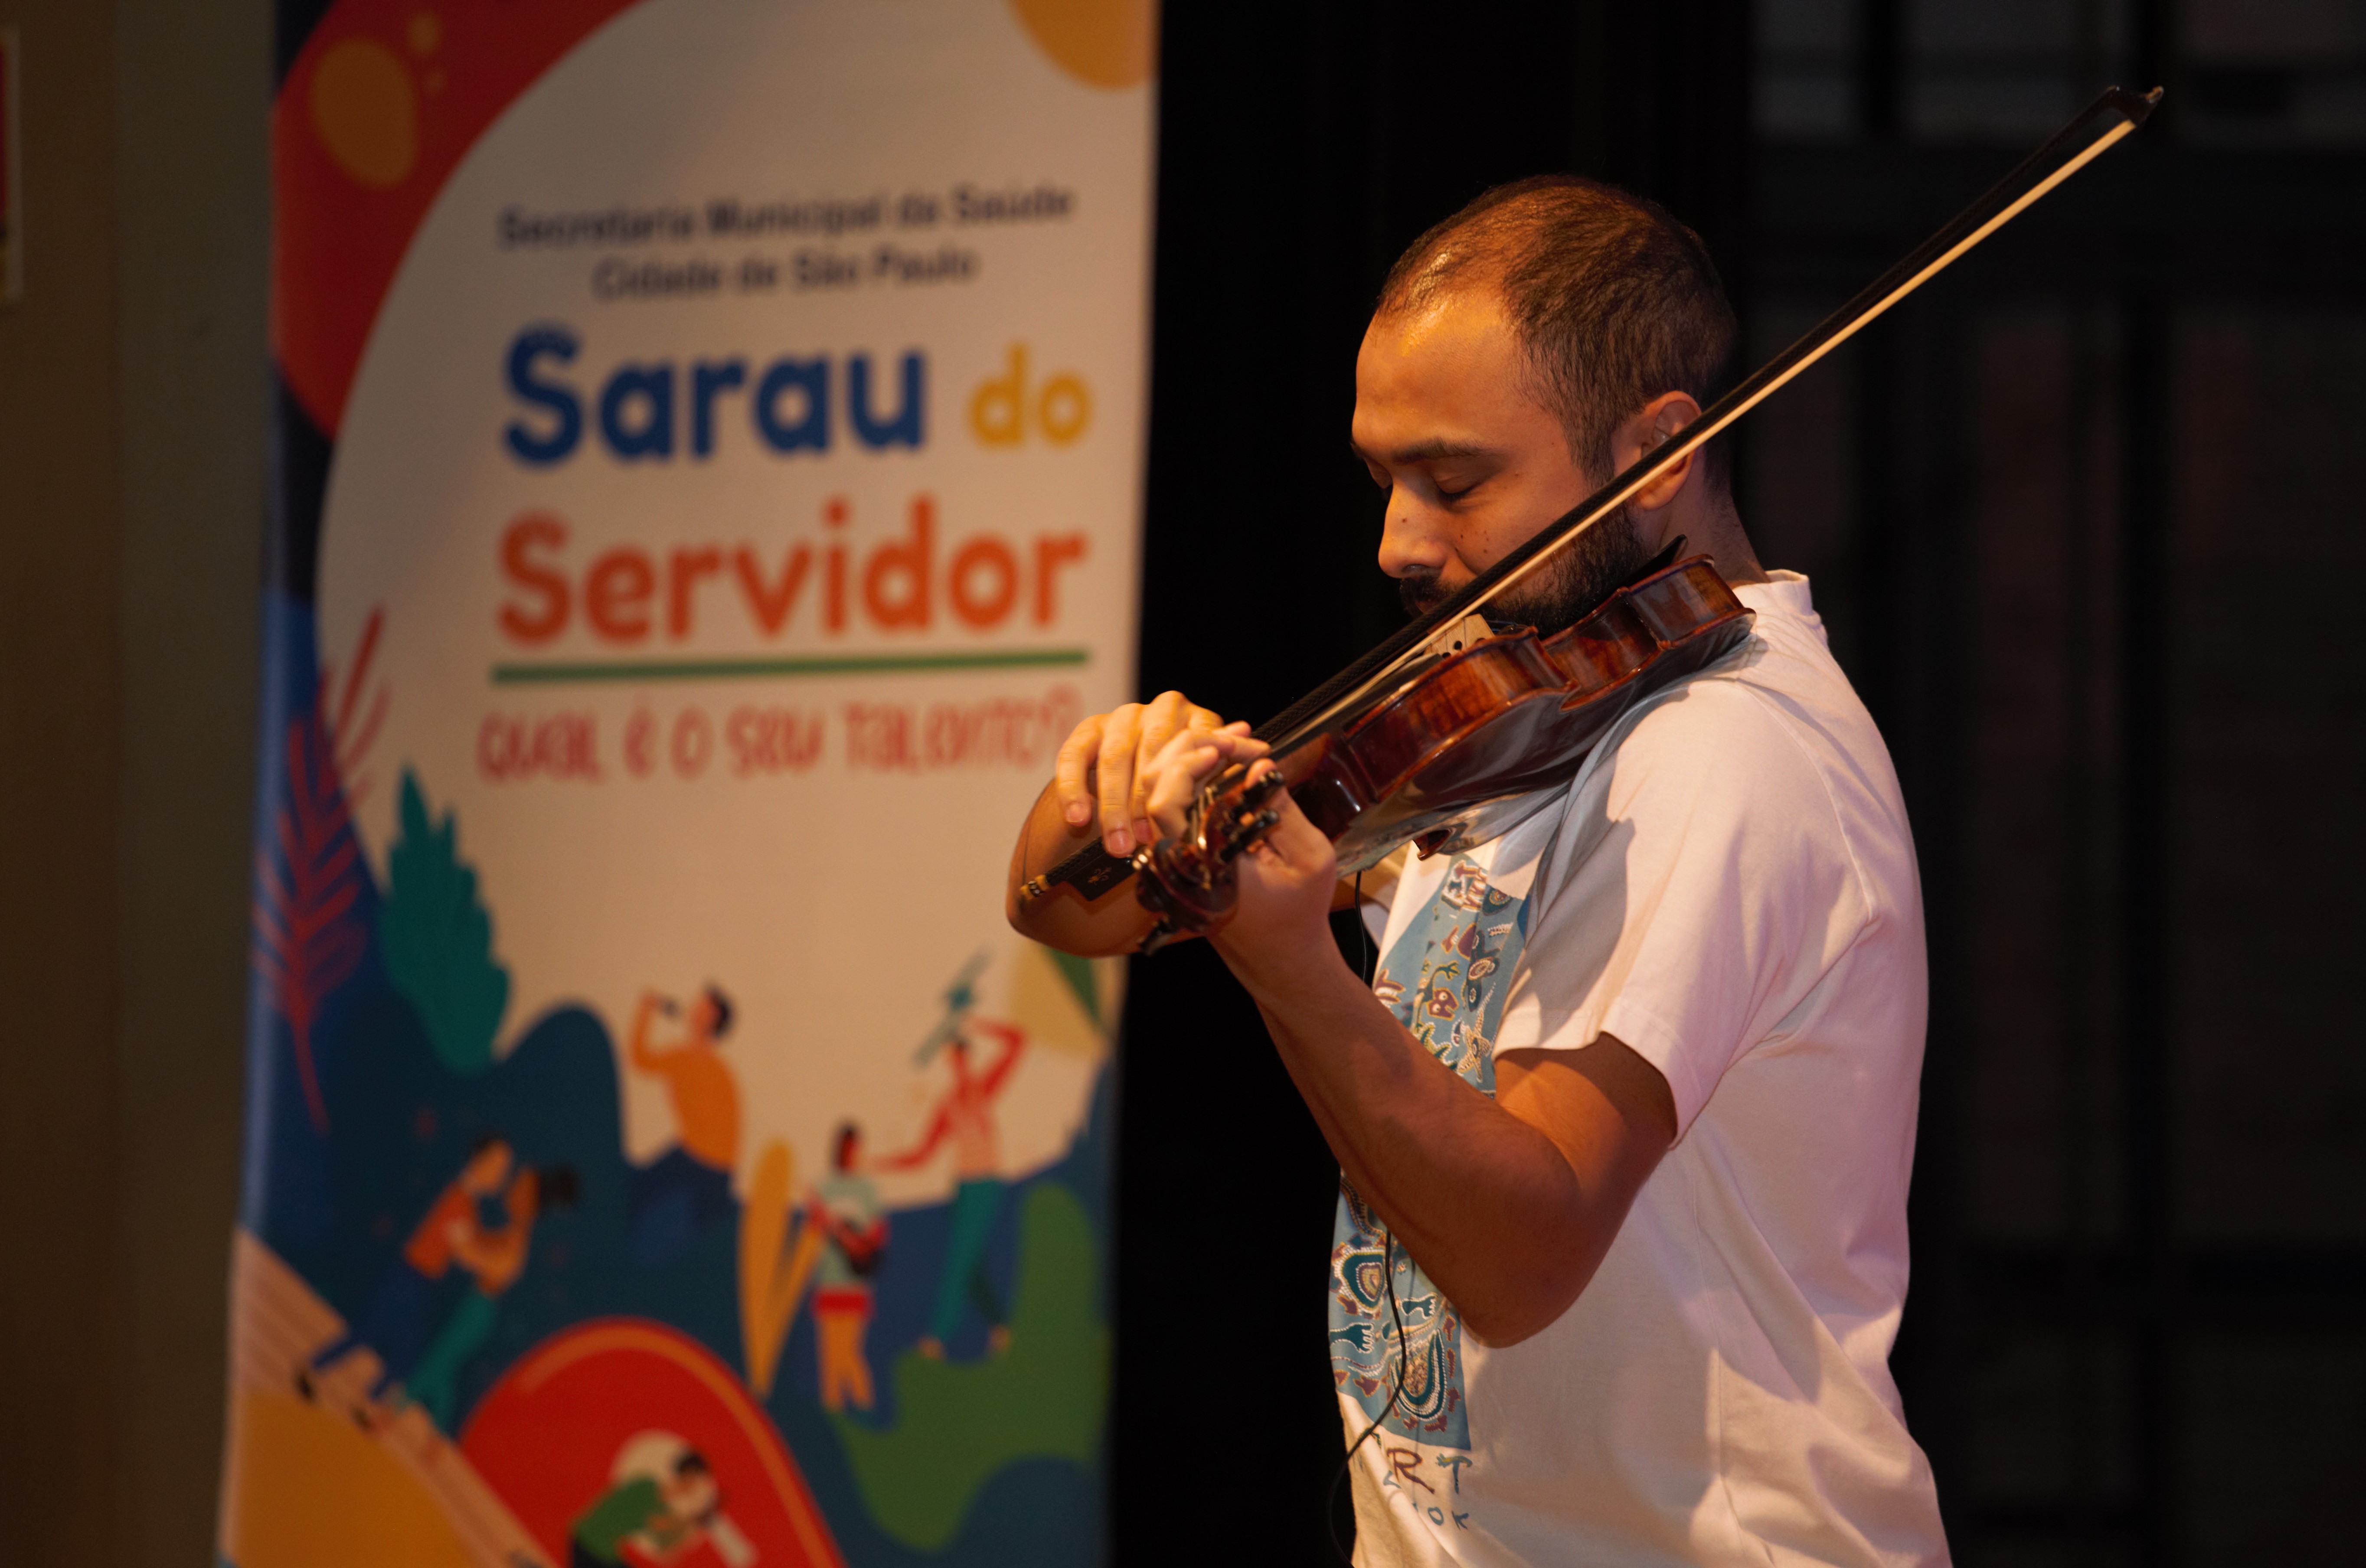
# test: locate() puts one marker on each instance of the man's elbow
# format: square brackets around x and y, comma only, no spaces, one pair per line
[1545,1283]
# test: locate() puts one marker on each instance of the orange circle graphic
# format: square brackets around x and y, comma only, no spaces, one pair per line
[1108,43]
[364,112]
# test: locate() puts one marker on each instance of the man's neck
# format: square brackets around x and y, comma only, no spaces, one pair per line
[1710,526]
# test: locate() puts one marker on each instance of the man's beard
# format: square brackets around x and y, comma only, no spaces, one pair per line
[1559,594]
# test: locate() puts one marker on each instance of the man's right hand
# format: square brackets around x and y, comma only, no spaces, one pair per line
[1104,769]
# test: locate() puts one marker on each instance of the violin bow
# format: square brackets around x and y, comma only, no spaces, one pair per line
[2114,115]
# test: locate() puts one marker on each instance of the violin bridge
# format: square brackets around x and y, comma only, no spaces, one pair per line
[1452,640]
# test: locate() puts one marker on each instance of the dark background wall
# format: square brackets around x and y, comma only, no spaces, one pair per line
[2055,513]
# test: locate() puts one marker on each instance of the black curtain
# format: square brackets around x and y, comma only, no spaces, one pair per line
[1300,150]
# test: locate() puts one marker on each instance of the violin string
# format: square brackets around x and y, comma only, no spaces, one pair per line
[1304,720]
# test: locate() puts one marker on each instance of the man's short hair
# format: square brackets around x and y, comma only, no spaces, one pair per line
[1614,301]
[721,1006]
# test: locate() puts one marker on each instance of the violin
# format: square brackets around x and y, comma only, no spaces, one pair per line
[1457,728]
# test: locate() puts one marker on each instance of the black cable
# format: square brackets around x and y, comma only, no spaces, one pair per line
[1396,1317]
[1363,931]
[1404,1364]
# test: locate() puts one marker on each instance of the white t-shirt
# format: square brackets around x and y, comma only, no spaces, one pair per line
[1729,888]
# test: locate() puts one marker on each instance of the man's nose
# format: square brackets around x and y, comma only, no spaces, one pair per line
[1411,542]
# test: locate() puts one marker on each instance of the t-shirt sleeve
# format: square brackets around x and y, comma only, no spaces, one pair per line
[1698,885]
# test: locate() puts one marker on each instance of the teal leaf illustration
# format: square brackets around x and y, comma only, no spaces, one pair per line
[437,937]
[1078,973]
[1043,1398]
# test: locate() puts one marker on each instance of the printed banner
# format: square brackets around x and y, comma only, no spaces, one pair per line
[708,490]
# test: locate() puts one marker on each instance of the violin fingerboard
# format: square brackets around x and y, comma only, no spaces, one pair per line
[1091,871]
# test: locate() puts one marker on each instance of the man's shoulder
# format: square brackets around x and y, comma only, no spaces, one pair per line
[1777,713]
[1719,732]
[1770,768]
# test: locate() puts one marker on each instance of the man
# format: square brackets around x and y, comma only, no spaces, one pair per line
[1625,1130]
[675,1195]
[663,1515]
[493,1258]
[394,1324]
[846,1210]
[964,1117]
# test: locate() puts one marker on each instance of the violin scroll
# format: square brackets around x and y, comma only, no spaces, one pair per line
[1187,882]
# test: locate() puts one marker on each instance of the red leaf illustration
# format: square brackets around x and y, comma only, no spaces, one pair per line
[307,943]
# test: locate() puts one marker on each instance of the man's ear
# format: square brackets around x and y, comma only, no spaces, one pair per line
[1644,431]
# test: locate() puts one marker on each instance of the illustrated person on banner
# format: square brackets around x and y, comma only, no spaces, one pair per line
[964,1117]
[662,1500]
[494,1260]
[688,1187]
[847,1213]
[394,1326]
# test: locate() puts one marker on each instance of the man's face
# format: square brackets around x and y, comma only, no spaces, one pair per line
[1472,463]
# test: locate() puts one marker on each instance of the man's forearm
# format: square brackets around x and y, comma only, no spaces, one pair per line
[1485,1202]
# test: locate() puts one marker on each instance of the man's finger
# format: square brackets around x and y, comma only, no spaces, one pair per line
[1068,770]
[1199,721]
[1171,796]
[1163,718]
[1187,762]
[1183,765]
[1116,783]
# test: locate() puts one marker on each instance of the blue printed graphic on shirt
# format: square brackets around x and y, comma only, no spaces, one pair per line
[1445,980]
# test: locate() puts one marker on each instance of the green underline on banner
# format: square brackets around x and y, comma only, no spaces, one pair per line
[576,671]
